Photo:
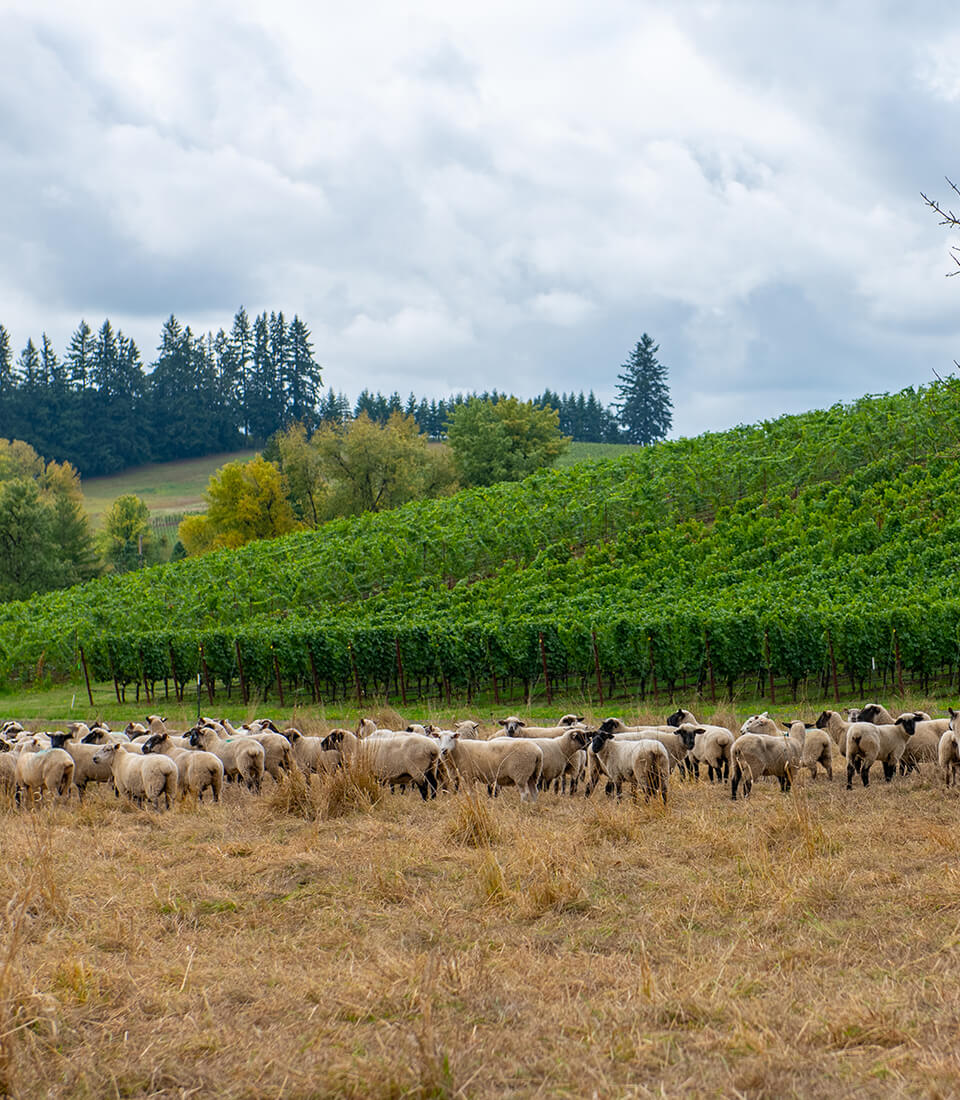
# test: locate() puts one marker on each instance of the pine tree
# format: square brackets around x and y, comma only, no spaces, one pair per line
[303,380]
[644,408]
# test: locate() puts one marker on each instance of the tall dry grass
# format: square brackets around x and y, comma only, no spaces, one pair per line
[790,945]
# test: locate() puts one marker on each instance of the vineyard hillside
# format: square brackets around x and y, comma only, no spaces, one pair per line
[792,547]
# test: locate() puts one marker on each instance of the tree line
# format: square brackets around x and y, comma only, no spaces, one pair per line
[100,408]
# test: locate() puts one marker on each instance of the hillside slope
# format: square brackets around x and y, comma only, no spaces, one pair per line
[772,545]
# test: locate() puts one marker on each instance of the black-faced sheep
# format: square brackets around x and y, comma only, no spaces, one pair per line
[644,764]
[198,770]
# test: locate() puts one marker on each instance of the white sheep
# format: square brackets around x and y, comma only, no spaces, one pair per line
[395,760]
[757,754]
[242,757]
[140,777]
[560,756]
[949,751]
[198,770]
[41,770]
[516,727]
[644,763]
[499,762]
[85,769]
[867,743]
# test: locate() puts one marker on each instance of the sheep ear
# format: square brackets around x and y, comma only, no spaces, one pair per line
[501,721]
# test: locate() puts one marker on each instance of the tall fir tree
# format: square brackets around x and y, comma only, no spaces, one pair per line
[644,409]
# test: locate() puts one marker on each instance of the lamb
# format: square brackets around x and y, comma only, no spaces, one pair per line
[397,760]
[757,754]
[40,770]
[516,727]
[242,757]
[140,777]
[644,763]
[498,762]
[198,770]
[867,743]
[948,754]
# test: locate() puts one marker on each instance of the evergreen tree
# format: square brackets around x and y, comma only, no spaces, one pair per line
[303,380]
[241,342]
[644,408]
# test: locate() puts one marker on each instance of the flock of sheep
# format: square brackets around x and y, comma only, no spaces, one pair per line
[151,764]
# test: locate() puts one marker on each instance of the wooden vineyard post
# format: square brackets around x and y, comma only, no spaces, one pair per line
[896,651]
[653,669]
[276,673]
[356,674]
[206,674]
[546,675]
[403,686]
[713,686]
[143,673]
[86,675]
[243,679]
[177,690]
[596,665]
[766,646]
[493,673]
[116,685]
[833,669]
[317,694]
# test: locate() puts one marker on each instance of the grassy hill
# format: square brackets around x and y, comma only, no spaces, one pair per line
[789,546]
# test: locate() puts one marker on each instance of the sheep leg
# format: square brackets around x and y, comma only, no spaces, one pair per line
[865,774]
[735,782]
[889,770]
[850,771]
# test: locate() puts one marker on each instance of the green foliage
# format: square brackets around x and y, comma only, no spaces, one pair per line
[766,547]
[644,408]
[126,538]
[246,501]
[504,440]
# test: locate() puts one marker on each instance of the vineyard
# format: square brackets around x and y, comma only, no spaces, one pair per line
[791,555]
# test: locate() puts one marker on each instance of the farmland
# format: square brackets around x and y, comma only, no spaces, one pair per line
[794,945]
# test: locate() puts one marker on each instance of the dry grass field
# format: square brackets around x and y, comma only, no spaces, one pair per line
[327,940]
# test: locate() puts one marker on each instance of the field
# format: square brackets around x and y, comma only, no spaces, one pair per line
[165,487]
[309,943]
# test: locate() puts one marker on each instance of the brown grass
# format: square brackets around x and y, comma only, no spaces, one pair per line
[330,939]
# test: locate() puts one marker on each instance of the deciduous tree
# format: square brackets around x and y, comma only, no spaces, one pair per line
[503,440]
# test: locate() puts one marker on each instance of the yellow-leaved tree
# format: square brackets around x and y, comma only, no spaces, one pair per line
[246,501]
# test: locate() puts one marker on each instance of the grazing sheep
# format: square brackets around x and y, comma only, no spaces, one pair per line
[516,727]
[816,747]
[559,756]
[644,763]
[867,743]
[40,770]
[924,746]
[395,760]
[198,770]
[140,777]
[499,762]
[85,770]
[709,745]
[242,757]
[948,754]
[276,747]
[757,754]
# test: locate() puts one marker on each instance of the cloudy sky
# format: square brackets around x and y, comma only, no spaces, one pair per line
[506,194]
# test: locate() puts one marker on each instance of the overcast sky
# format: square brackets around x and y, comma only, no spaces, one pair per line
[506,194]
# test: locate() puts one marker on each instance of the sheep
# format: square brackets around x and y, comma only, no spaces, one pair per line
[198,770]
[836,726]
[516,727]
[757,754]
[924,746]
[498,762]
[710,745]
[676,749]
[948,754]
[242,757]
[140,777]
[644,763]
[42,769]
[874,713]
[308,753]
[559,756]
[8,769]
[276,747]
[867,743]
[816,747]
[85,770]
[716,743]
[397,760]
